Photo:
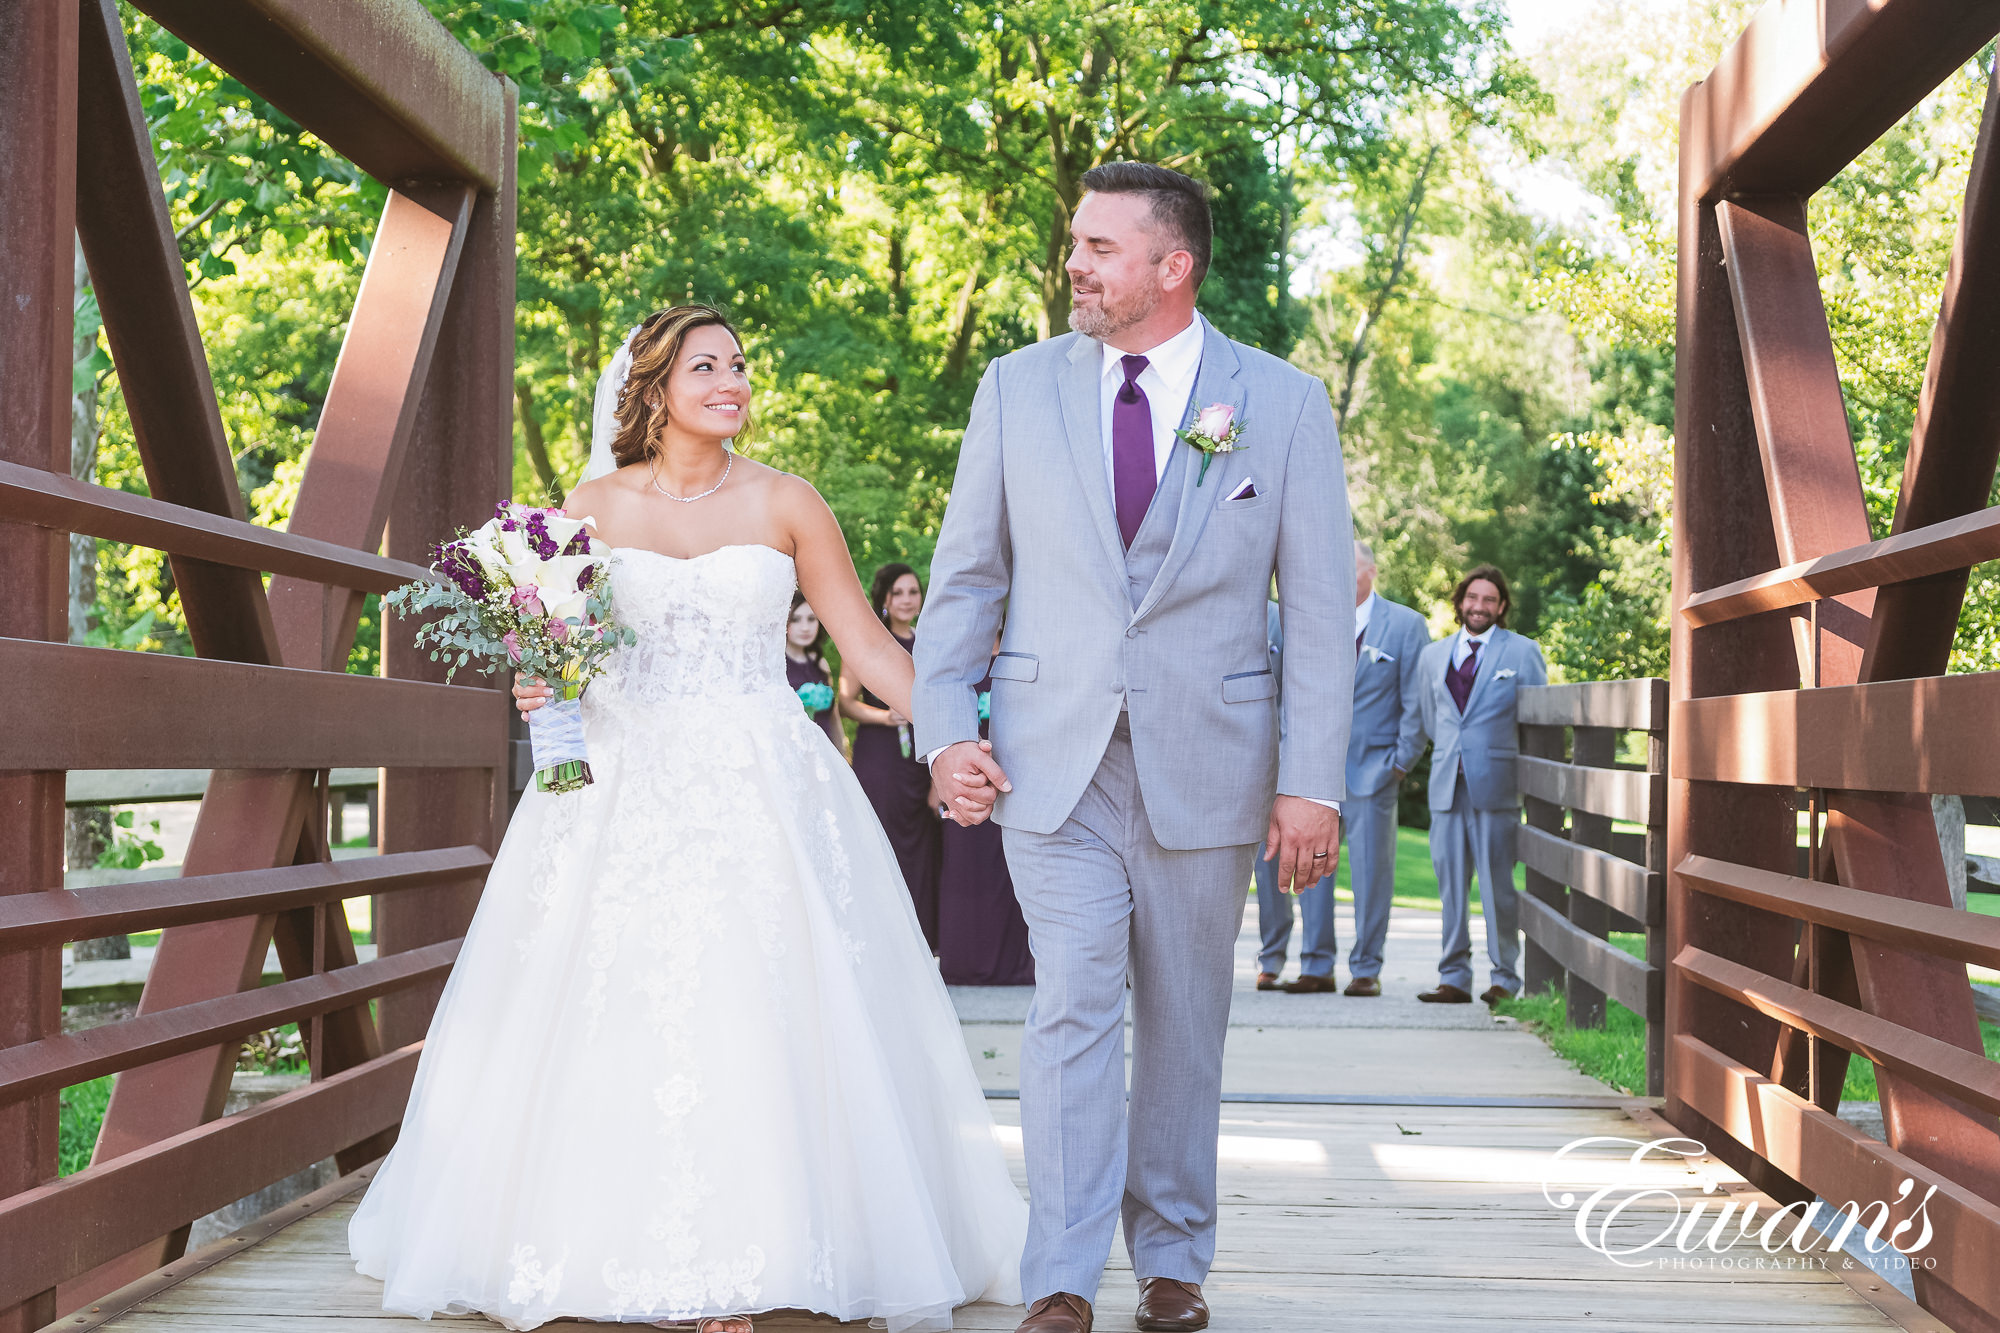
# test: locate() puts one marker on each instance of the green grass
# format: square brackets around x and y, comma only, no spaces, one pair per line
[1616,1053]
[1416,886]
[1613,1054]
[82,1113]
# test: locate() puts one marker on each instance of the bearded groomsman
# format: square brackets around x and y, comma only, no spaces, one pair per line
[1469,680]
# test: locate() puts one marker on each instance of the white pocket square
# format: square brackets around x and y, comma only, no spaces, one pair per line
[1503,673]
[1245,490]
[1376,654]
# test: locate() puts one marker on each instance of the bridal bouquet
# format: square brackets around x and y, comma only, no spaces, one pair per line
[529,590]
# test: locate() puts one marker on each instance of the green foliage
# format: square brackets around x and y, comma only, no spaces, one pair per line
[130,848]
[81,1115]
[879,194]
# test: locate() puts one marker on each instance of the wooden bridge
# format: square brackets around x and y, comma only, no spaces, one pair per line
[1808,676]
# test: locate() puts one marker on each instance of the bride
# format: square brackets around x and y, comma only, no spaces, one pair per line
[694,1061]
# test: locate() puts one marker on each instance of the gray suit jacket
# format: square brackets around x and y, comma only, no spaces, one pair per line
[1388,698]
[1485,742]
[1032,524]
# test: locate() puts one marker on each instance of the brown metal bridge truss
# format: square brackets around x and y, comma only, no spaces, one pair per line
[1809,660]
[414,440]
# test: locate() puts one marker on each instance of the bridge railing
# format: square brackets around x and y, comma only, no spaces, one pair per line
[1586,877]
[413,440]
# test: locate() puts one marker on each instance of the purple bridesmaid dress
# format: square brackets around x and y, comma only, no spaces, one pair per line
[982,940]
[899,789]
[810,673]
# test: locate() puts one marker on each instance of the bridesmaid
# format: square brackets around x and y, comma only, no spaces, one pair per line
[805,664]
[896,781]
[982,938]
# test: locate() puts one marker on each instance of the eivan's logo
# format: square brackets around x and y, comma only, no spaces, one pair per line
[1630,1206]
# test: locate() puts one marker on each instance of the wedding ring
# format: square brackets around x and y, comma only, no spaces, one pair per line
[1319,856]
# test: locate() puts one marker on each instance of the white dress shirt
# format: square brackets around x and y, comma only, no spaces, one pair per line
[1461,647]
[1361,614]
[1168,383]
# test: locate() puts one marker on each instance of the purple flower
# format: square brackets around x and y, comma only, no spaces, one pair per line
[579,544]
[453,561]
[559,630]
[583,580]
[513,642]
[538,536]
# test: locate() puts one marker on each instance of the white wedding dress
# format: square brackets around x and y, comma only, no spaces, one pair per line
[695,1058]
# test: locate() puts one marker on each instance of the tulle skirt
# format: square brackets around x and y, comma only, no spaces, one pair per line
[695,1058]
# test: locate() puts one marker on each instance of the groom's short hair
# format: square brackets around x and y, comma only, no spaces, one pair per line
[1178,205]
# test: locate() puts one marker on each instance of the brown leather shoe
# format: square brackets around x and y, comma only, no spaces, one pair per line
[1363,986]
[1060,1313]
[1267,981]
[1167,1305]
[1496,993]
[1446,993]
[1308,984]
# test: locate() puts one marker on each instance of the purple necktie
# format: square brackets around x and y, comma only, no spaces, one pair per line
[1459,679]
[1133,471]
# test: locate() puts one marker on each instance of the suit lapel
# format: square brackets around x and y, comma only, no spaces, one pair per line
[1214,382]
[1081,408]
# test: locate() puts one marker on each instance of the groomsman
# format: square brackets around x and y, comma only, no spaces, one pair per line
[1469,680]
[1388,735]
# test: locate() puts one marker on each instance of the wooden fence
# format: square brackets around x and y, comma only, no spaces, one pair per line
[1585,877]
[1808,655]
[414,439]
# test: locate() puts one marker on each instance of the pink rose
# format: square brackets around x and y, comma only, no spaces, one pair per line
[513,642]
[528,599]
[1214,420]
[559,630]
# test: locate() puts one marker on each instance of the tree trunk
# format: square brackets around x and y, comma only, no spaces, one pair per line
[1054,314]
[538,446]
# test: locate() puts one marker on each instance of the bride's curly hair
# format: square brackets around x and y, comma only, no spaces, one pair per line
[656,346]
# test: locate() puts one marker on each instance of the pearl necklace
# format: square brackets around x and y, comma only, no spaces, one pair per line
[690,499]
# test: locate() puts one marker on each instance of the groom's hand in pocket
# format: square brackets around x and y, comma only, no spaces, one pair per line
[968,781]
[1304,839]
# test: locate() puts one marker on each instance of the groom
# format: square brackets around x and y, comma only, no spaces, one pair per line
[1134,749]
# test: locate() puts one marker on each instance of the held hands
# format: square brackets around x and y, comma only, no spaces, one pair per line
[968,782]
[1304,839]
[530,694]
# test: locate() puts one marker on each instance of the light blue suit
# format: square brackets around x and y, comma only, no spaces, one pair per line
[1387,736]
[1475,806]
[1136,714]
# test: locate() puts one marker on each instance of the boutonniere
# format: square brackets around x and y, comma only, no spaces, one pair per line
[1503,673]
[1215,431]
[1376,654]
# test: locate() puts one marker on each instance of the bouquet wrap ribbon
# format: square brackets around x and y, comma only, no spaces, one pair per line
[555,731]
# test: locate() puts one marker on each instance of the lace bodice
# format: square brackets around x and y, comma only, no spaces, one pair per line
[713,624]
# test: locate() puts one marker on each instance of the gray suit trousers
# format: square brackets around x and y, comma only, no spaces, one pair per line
[1467,841]
[1104,901]
[1368,823]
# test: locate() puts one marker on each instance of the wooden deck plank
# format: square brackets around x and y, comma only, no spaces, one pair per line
[1416,1218]
[1327,1212]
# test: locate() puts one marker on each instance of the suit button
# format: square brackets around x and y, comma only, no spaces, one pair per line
[1118,687]
[1131,633]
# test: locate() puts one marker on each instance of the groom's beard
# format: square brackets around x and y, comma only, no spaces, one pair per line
[1105,321]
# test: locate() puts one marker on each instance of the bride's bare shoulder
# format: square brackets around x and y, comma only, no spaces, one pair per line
[612,489]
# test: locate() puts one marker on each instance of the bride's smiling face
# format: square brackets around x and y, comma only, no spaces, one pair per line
[708,390]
